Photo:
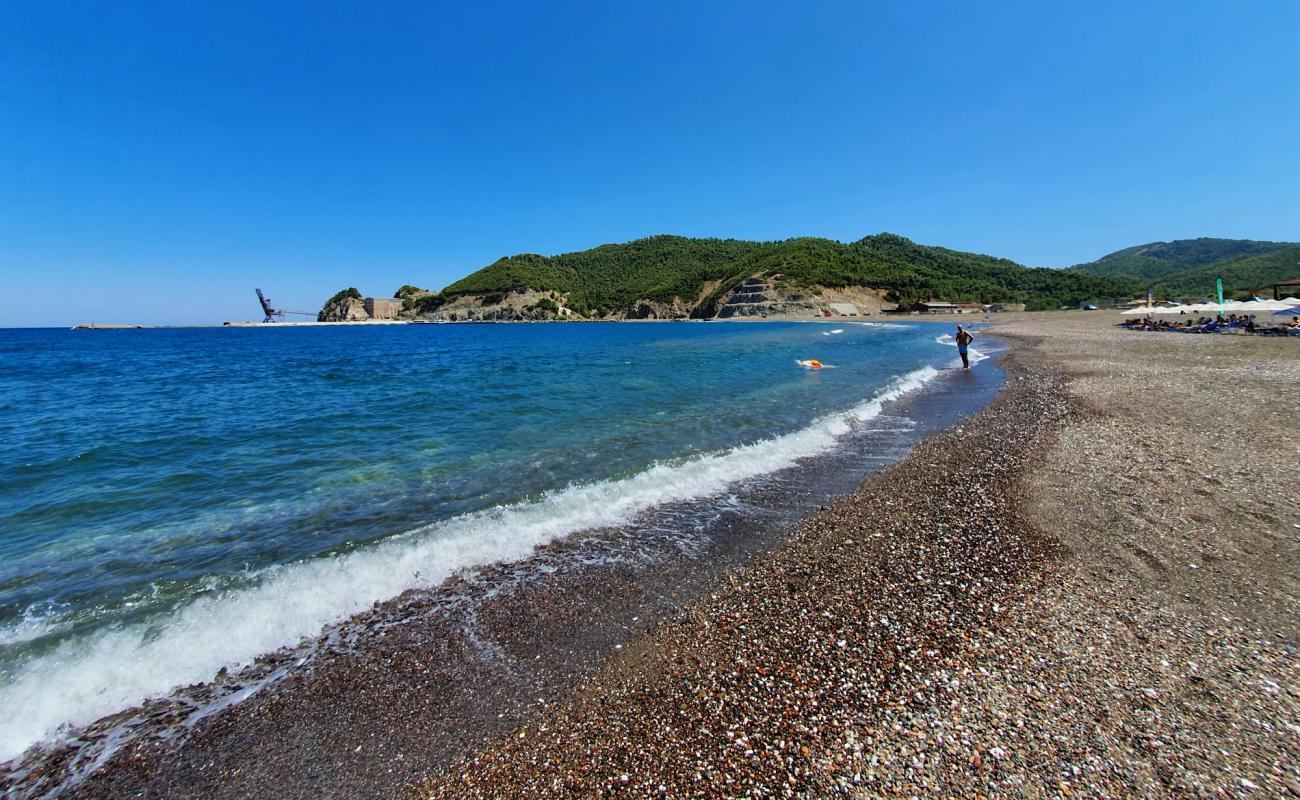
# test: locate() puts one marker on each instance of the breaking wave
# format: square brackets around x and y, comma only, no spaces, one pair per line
[975,355]
[84,679]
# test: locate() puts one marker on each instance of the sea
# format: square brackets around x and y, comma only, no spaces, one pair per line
[176,502]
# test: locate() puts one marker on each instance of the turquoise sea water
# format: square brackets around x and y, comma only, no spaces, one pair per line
[175,501]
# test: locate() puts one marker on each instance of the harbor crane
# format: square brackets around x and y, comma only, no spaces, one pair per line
[272,313]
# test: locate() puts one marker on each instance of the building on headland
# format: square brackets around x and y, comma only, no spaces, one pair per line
[383,307]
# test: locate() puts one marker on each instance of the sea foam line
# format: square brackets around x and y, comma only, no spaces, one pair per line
[974,355]
[85,679]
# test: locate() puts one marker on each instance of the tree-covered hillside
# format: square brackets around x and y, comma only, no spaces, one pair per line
[1240,275]
[1188,267]
[612,277]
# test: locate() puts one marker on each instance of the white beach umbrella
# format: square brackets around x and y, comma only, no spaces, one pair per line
[1143,310]
[1256,306]
[1273,305]
[1212,308]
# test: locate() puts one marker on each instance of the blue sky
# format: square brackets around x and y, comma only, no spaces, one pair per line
[160,160]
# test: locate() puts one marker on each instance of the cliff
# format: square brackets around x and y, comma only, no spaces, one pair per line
[345,306]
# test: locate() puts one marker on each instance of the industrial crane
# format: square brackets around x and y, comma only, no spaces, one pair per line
[273,313]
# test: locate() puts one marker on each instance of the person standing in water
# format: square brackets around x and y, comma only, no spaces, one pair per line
[964,339]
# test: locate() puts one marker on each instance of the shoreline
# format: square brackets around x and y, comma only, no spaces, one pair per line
[776,682]
[500,639]
[1106,624]
[861,318]
[1106,605]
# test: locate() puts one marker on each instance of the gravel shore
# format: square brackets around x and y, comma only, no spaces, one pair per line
[1090,589]
[799,674]
[390,697]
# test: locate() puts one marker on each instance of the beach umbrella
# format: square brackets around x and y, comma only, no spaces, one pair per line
[1213,308]
[1274,305]
[1141,310]
[1257,306]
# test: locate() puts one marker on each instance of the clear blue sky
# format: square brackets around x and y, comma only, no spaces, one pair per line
[160,160]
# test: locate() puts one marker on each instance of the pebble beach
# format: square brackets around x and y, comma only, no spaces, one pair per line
[1089,590]
[803,670]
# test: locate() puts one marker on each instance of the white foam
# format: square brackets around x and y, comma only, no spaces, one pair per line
[87,678]
[893,325]
[975,356]
[37,621]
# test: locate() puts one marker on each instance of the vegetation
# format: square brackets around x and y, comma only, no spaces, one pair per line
[341,295]
[408,291]
[425,303]
[1241,276]
[612,277]
[1187,268]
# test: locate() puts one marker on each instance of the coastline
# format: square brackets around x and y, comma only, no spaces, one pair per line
[868,318]
[1049,627]
[1105,605]
[777,682]
[427,675]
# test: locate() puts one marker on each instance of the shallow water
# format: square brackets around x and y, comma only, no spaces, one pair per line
[180,501]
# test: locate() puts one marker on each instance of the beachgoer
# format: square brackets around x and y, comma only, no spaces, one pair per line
[963,341]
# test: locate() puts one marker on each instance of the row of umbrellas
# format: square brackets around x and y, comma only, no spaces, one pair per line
[1279,308]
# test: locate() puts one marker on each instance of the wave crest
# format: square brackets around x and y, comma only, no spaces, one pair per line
[85,679]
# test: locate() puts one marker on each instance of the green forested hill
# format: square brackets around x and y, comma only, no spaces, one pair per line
[1189,267]
[1240,275]
[611,277]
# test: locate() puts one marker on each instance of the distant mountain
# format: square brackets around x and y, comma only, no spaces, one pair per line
[678,276]
[1189,267]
